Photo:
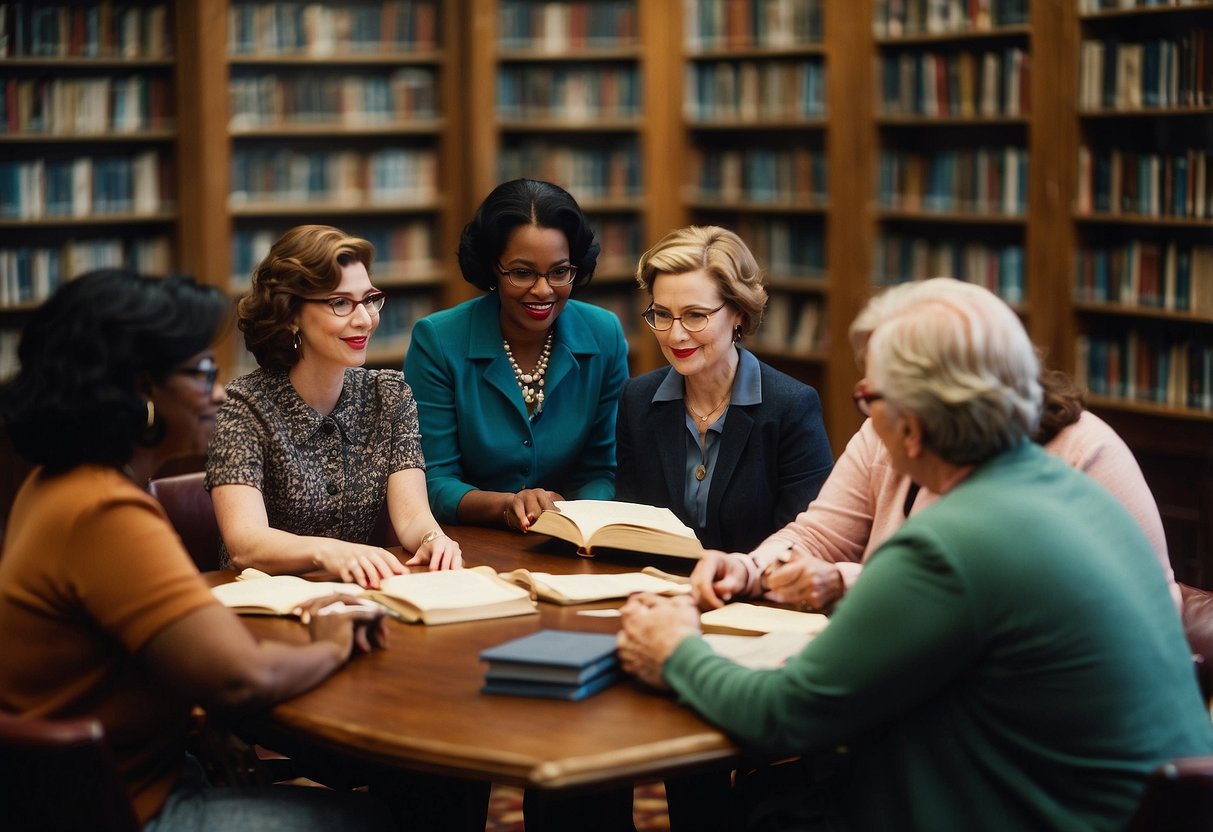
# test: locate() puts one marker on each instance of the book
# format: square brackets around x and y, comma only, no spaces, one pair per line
[764,652]
[563,657]
[552,690]
[452,595]
[617,525]
[256,593]
[583,589]
[753,620]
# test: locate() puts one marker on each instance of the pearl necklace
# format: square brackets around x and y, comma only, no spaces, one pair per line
[531,384]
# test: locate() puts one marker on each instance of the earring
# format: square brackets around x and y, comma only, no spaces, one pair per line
[151,414]
[736,333]
[298,340]
[493,288]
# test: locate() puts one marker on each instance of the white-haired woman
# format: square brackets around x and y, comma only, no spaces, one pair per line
[1011,658]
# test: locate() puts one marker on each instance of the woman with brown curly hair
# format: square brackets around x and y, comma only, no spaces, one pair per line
[310,446]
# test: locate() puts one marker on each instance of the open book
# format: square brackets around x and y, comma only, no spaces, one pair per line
[615,525]
[753,620]
[256,593]
[582,589]
[452,595]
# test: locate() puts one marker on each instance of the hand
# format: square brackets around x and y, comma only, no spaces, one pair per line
[526,506]
[805,580]
[346,621]
[439,553]
[717,577]
[652,628]
[357,563]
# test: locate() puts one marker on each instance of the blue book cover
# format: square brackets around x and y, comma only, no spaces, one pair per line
[553,690]
[552,656]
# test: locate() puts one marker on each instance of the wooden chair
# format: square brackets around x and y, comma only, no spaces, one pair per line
[189,508]
[60,775]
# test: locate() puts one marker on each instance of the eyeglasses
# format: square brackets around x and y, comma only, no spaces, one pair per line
[207,370]
[344,307]
[526,278]
[863,398]
[693,321]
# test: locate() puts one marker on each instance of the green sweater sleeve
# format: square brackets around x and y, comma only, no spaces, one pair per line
[902,633]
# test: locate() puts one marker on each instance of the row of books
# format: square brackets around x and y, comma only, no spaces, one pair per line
[743,24]
[900,258]
[1116,181]
[982,180]
[894,18]
[792,324]
[622,242]
[568,92]
[378,177]
[562,26]
[332,28]
[86,186]
[964,84]
[1162,72]
[1146,273]
[603,170]
[752,91]
[758,175]
[85,30]
[329,98]
[84,106]
[1092,6]
[29,274]
[1147,367]
[401,249]
[785,248]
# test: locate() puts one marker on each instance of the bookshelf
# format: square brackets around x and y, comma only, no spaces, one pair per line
[88,132]
[1141,280]
[340,113]
[754,114]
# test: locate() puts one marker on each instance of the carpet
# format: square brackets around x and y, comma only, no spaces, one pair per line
[648,809]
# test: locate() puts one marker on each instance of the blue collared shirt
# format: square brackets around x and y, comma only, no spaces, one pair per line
[747,390]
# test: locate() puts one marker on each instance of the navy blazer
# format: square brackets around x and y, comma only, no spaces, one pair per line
[773,458]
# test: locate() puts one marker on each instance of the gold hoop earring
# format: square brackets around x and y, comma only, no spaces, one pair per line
[151,414]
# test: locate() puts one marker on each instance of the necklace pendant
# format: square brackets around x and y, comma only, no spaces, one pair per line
[700,472]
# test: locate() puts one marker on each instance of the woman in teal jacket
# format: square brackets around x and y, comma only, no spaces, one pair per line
[517,390]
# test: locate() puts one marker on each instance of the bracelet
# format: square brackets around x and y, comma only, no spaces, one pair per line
[431,536]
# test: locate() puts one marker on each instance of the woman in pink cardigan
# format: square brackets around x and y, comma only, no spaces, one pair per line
[864,500]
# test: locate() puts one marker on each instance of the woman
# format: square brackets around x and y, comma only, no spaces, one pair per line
[102,610]
[517,389]
[1011,658]
[730,445]
[865,500]
[310,446]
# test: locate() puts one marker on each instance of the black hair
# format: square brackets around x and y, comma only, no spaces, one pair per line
[524,202]
[76,398]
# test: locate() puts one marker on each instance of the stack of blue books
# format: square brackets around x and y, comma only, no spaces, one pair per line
[555,664]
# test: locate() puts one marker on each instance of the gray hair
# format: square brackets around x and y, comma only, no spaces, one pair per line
[959,358]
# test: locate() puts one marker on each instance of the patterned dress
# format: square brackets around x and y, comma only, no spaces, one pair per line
[324,476]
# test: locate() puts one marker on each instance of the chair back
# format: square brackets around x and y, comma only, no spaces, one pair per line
[189,508]
[1198,627]
[60,775]
[1178,797]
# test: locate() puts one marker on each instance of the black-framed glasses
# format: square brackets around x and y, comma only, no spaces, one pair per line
[344,307]
[207,370]
[526,278]
[863,398]
[696,320]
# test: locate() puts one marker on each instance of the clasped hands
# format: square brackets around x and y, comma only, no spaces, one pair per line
[803,579]
[352,624]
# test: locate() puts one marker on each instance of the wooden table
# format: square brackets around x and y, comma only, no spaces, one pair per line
[418,705]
